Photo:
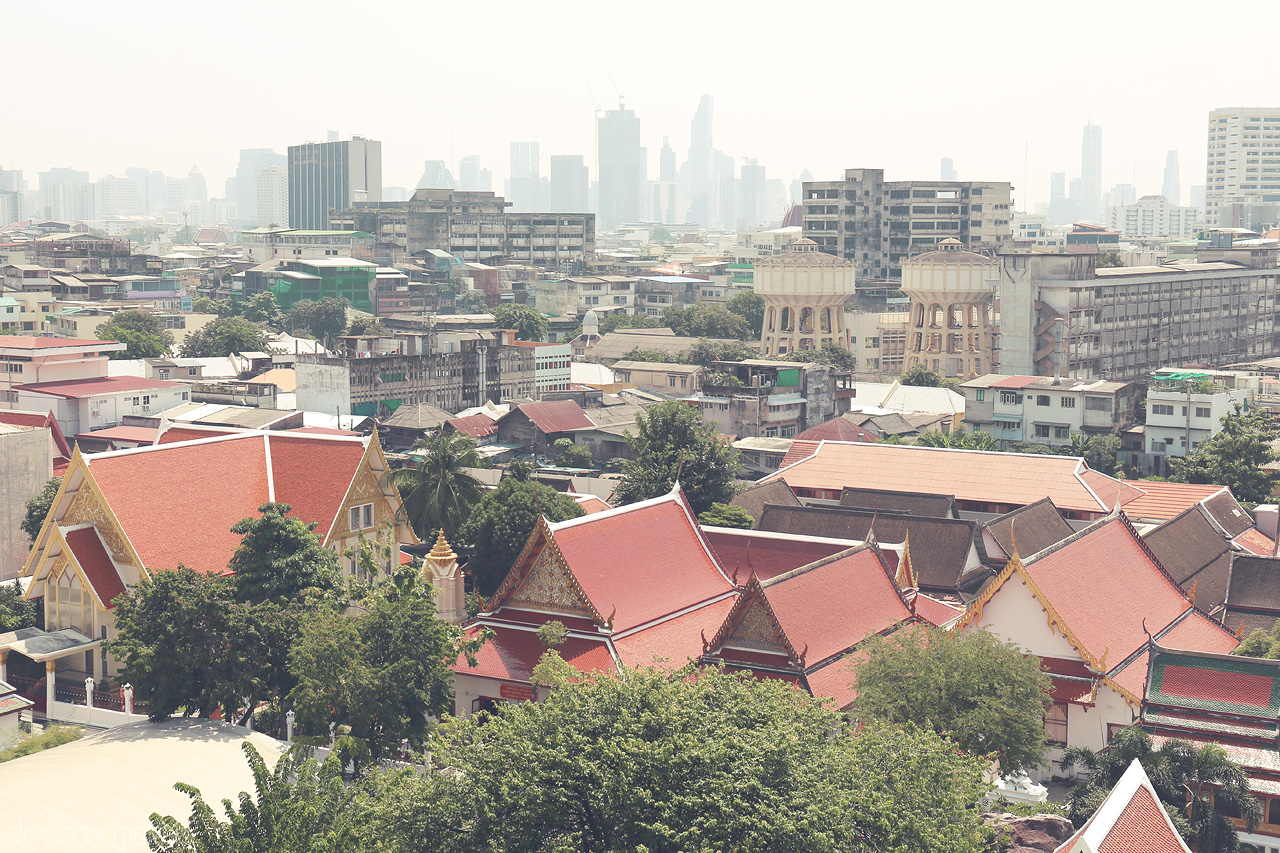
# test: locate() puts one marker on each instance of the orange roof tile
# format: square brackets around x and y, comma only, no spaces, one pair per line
[936,612]
[834,681]
[73,389]
[591,504]
[767,554]
[675,640]
[26,342]
[837,429]
[92,556]
[990,477]
[1256,542]
[512,653]
[1141,828]
[647,560]
[295,462]
[174,434]
[800,449]
[1163,501]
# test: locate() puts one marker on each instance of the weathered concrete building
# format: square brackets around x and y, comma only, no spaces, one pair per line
[773,399]
[804,293]
[950,323]
[473,226]
[1061,316]
[878,224]
[26,464]
[450,370]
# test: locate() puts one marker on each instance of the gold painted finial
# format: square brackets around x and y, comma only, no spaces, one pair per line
[441,550]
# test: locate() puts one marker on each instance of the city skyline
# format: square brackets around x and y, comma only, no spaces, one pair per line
[782,112]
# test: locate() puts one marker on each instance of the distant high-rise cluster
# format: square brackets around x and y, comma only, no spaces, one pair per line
[1242,173]
[325,176]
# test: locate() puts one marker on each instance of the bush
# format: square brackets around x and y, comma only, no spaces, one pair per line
[48,739]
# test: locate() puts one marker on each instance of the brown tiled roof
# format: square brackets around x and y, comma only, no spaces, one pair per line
[1253,593]
[754,499]
[1194,551]
[1035,527]
[418,416]
[940,547]
[912,503]
[1228,513]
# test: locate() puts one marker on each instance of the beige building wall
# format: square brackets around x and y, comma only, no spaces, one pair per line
[804,293]
[26,464]
[952,292]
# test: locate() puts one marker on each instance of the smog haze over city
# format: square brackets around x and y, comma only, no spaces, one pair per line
[1002,88]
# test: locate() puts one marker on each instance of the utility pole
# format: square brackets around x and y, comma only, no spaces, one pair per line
[1187,451]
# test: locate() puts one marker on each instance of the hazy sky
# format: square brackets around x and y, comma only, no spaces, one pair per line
[817,85]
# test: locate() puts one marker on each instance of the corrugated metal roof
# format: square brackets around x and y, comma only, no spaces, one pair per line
[556,416]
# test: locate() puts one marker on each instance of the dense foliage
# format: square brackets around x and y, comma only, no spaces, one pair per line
[438,492]
[829,354]
[566,454]
[223,336]
[750,307]
[1261,644]
[1184,777]
[726,515]
[705,320]
[921,376]
[280,557]
[988,696]
[324,319]
[646,762]
[15,611]
[37,508]
[144,334]
[1234,457]
[530,325]
[499,526]
[672,442]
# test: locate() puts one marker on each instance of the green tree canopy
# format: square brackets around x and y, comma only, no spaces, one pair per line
[566,454]
[530,325]
[750,307]
[364,324]
[921,376]
[1184,777]
[1108,259]
[961,440]
[1234,457]
[187,645]
[829,354]
[15,611]
[222,337]
[501,523]
[705,320]
[144,335]
[1261,644]
[988,696]
[438,493]
[37,508]
[262,308]
[669,438]
[221,307]
[280,556]
[727,515]
[380,673]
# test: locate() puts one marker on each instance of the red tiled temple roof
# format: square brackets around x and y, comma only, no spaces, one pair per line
[96,563]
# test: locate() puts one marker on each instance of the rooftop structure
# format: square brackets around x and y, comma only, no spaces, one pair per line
[804,292]
[952,291]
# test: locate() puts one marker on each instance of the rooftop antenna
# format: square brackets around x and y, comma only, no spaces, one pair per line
[621,97]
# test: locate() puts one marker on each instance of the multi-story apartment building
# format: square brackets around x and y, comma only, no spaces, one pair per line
[330,176]
[1061,316]
[450,370]
[1242,174]
[877,223]
[1154,216]
[1044,410]
[474,226]
[292,244]
[82,253]
[314,279]
[1186,407]
[774,399]
[878,341]
[550,366]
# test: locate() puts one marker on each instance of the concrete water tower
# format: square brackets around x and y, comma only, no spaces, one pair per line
[804,292]
[949,328]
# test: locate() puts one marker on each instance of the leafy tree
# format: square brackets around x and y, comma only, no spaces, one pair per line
[829,354]
[37,508]
[299,806]
[566,454]
[500,525]
[716,762]
[381,673]
[619,320]
[329,319]
[1234,457]
[364,324]
[264,309]
[704,320]
[726,515]
[530,325]
[750,307]
[471,302]
[15,611]
[280,556]
[1102,453]
[988,696]
[300,315]
[187,645]
[959,439]
[1261,644]
[672,440]
[439,493]
[920,376]
[1108,259]
[222,337]
[1184,777]
[660,235]
[706,353]
[519,470]
[143,334]
[221,307]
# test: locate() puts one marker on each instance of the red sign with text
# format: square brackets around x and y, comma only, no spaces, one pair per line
[516,692]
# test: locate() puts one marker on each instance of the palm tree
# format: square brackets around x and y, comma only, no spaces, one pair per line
[1189,780]
[1079,445]
[439,493]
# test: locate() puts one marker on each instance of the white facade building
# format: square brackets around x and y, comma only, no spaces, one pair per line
[273,196]
[1243,166]
[1043,410]
[1154,216]
[550,366]
[117,196]
[1191,404]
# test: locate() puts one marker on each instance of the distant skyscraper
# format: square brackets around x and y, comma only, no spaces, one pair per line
[1057,186]
[486,180]
[1172,187]
[570,180]
[436,176]
[252,162]
[949,170]
[12,188]
[151,189]
[526,159]
[117,196]
[469,172]
[326,176]
[751,196]
[667,161]
[622,167]
[797,186]
[65,195]
[271,203]
[1091,173]
[1197,196]
[196,189]
[701,176]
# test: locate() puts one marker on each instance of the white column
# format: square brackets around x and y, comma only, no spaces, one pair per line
[288,726]
[50,676]
[4,664]
[88,699]
[128,698]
